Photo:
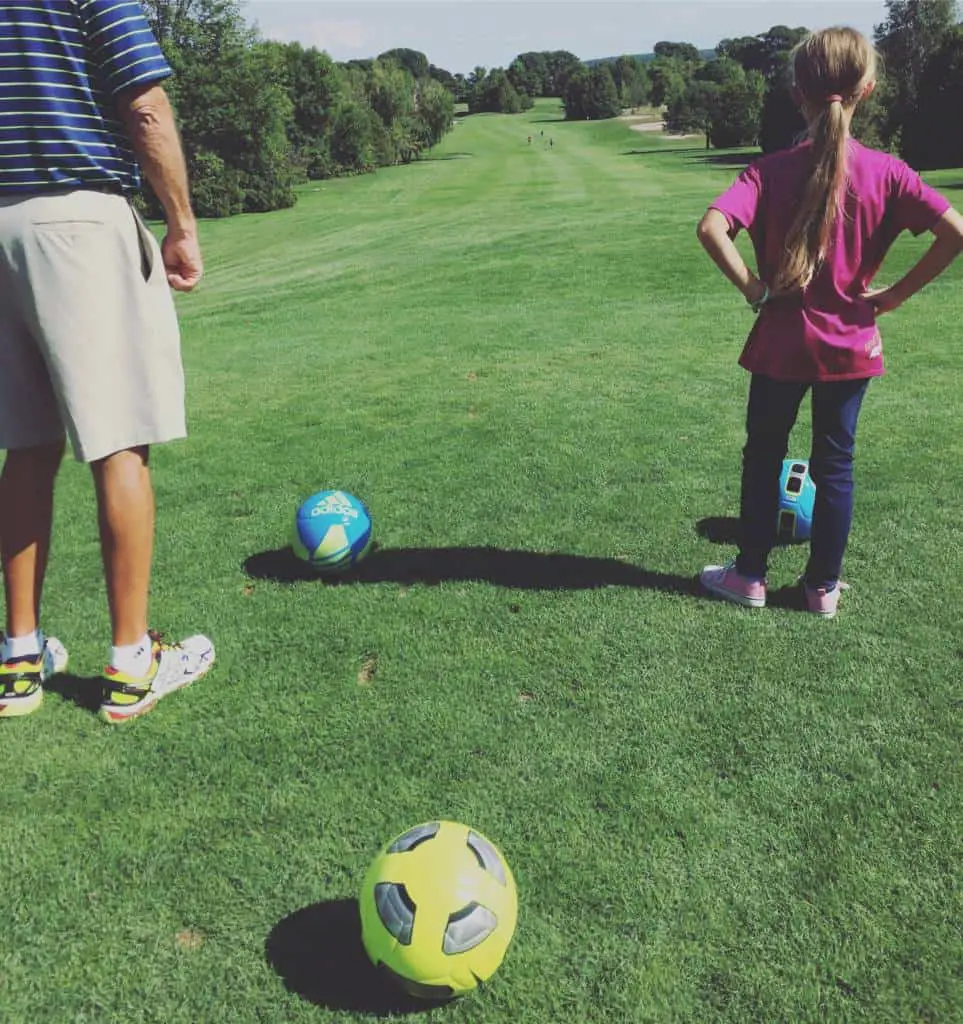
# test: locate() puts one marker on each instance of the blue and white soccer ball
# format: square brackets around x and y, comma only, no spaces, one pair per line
[332,531]
[797,496]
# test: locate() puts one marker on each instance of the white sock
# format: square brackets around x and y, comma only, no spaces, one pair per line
[23,646]
[132,659]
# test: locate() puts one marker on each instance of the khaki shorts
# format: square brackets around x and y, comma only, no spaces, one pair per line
[89,343]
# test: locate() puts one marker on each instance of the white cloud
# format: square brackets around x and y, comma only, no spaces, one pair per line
[325,34]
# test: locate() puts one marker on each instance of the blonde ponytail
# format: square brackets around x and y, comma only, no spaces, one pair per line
[831,69]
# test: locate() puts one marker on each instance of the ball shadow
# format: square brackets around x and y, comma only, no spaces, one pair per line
[725,530]
[523,570]
[719,529]
[317,953]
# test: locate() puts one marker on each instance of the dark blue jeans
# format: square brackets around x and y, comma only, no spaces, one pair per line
[773,407]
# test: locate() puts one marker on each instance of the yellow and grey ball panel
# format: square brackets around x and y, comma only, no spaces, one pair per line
[414,837]
[396,910]
[487,856]
[466,928]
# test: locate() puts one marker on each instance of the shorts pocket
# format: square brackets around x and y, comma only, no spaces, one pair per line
[146,243]
[67,225]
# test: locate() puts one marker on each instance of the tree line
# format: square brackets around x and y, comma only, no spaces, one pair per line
[258,117]
[741,95]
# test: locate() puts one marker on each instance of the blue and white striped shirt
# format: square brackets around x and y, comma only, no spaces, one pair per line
[61,62]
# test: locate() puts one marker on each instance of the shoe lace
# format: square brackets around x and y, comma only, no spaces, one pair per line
[158,637]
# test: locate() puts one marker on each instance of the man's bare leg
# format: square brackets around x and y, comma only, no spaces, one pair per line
[125,503]
[26,520]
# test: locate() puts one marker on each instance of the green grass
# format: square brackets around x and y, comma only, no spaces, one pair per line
[524,363]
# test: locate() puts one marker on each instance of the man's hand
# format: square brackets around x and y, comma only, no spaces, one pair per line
[182,260]
[149,120]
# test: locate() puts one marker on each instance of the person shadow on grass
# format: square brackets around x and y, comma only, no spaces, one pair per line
[521,570]
[513,569]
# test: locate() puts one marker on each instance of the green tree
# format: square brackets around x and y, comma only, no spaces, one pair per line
[934,137]
[591,95]
[722,70]
[723,101]
[765,52]
[474,79]
[353,132]
[495,94]
[258,112]
[413,61]
[313,84]
[781,123]
[631,81]
[737,115]
[576,95]
[741,49]
[560,66]
[694,109]
[391,92]
[678,51]
[669,77]
[912,32]
[232,108]
[434,113]
[604,101]
[445,78]
[528,73]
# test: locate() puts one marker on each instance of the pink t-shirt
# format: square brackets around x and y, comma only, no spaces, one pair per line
[828,332]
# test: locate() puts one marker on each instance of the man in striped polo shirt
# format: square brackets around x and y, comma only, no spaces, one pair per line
[89,342]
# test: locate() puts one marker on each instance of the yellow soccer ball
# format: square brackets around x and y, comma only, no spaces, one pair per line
[438,909]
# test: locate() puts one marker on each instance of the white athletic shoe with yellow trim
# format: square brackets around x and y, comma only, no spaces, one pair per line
[22,679]
[173,666]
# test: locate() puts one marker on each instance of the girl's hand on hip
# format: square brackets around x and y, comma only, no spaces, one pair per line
[883,300]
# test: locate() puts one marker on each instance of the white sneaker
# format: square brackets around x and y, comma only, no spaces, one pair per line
[173,666]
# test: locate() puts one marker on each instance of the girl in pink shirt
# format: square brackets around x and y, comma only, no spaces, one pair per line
[821,217]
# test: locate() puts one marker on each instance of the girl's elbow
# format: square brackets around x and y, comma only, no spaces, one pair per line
[713,228]
[949,229]
[704,231]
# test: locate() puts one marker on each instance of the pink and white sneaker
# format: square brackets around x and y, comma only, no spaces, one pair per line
[726,582]
[823,602]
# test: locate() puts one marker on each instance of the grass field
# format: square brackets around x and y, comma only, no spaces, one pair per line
[523,362]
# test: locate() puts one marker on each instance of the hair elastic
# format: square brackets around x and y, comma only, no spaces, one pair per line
[834,98]
[762,300]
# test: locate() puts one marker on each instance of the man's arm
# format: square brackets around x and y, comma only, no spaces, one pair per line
[147,115]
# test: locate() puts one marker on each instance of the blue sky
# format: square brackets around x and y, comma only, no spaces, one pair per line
[460,34]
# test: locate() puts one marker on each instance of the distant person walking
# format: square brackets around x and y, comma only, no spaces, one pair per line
[821,217]
[89,341]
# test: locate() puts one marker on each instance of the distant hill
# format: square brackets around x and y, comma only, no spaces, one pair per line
[645,57]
